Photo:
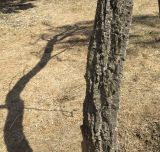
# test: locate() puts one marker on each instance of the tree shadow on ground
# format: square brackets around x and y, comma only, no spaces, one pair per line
[147,20]
[13,6]
[79,38]
[14,136]
[150,28]
[70,36]
[83,33]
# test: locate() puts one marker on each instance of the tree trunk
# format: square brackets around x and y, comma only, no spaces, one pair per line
[103,74]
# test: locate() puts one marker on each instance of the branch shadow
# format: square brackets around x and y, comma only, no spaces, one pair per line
[14,135]
[79,38]
[82,36]
[146,34]
[12,6]
[147,20]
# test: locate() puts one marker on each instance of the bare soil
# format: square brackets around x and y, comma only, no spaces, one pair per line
[43,58]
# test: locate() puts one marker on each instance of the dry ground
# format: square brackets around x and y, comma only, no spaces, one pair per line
[52,85]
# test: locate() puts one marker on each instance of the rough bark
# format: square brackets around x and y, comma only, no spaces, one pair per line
[103,75]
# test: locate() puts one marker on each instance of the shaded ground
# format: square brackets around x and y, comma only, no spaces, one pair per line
[43,58]
[14,6]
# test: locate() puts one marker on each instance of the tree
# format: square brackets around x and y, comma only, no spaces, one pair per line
[103,74]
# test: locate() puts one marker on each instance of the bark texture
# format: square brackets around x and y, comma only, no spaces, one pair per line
[103,75]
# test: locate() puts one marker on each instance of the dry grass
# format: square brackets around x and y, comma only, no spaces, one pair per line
[53,97]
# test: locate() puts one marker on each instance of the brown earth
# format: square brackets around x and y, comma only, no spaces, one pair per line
[43,58]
